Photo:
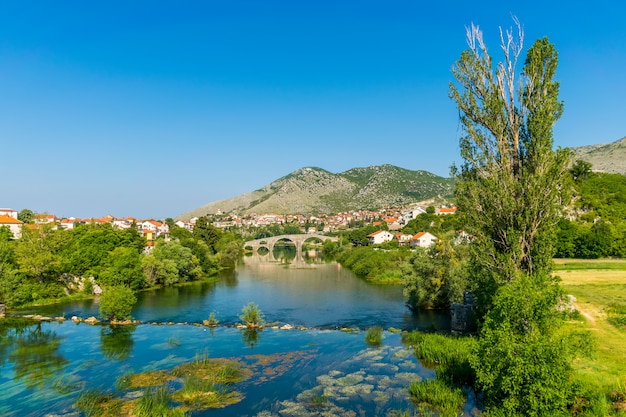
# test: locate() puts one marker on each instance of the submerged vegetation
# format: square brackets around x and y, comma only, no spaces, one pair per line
[206,383]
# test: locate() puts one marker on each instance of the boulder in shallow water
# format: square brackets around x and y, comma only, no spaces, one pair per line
[92,320]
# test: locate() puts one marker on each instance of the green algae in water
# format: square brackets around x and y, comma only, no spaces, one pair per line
[198,393]
[381,380]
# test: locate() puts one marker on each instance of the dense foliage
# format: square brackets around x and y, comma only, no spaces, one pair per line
[374,264]
[436,277]
[596,227]
[46,263]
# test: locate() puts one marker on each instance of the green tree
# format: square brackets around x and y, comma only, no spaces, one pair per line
[424,222]
[122,267]
[566,239]
[434,278]
[88,246]
[205,231]
[252,315]
[511,188]
[580,169]
[511,185]
[229,254]
[523,360]
[170,263]
[116,303]
[36,252]
[26,216]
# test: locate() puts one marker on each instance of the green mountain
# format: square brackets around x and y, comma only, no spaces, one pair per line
[313,190]
[605,157]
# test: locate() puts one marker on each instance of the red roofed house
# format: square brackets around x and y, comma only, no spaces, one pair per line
[447,210]
[423,240]
[14,225]
[381,236]
[403,239]
[45,218]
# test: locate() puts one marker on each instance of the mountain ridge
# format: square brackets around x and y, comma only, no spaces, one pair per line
[313,190]
[604,157]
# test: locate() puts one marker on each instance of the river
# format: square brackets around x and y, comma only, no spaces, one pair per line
[44,367]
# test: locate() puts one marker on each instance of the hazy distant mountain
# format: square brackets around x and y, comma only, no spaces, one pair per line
[314,190]
[605,157]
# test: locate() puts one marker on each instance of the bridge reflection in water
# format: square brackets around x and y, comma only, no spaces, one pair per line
[269,243]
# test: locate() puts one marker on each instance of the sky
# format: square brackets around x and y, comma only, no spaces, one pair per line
[153,108]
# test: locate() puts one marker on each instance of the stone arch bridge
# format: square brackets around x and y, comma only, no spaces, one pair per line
[298,240]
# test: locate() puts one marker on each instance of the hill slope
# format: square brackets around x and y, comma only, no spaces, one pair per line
[605,157]
[314,190]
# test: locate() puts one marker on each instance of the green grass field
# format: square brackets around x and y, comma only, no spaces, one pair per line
[600,290]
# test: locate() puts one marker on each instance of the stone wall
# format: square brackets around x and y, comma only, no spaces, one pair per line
[462,318]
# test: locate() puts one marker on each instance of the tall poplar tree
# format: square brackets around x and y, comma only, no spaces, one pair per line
[511,188]
[511,184]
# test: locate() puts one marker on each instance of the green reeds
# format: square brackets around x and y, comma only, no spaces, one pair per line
[436,394]
[450,356]
[374,336]
[155,402]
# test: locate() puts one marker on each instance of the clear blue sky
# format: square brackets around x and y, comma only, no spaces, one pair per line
[153,108]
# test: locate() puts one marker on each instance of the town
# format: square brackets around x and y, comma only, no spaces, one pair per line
[390,220]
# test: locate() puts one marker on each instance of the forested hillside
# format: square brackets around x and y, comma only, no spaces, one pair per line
[595,226]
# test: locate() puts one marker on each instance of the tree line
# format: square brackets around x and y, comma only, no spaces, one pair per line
[46,263]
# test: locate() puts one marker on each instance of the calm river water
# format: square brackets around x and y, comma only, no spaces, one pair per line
[45,366]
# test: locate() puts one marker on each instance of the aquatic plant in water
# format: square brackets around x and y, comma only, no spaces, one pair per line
[206,384]
[252,316]
[438,395]
[199,393]
[94,403]
[212,321]
[156,402]
[374,336]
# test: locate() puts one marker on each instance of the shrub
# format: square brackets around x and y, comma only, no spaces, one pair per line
[116,303]
[252,316]
[212,320]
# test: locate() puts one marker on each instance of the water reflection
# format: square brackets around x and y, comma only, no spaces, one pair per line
[33,352]
[304,292]
[251,337]
[284,253]
[116,342]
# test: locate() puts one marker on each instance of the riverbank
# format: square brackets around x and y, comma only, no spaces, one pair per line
[81,296]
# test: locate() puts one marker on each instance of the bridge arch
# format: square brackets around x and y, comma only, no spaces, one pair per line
[298,240]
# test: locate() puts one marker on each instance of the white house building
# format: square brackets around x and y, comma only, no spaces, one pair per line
[423,240]
[14,225]
[381,236]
